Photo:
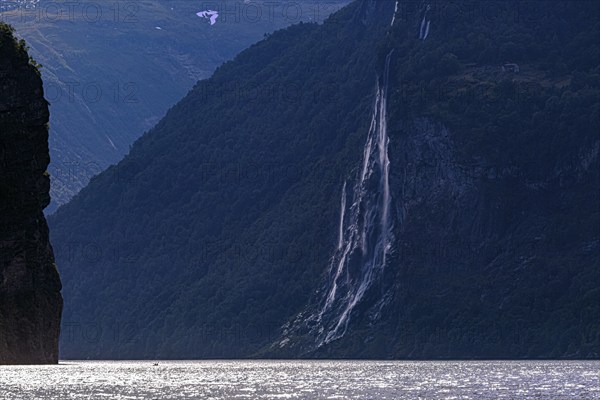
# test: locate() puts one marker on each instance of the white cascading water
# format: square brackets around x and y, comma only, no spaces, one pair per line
[395,12]
[365,230]
[425,24]
[342,216]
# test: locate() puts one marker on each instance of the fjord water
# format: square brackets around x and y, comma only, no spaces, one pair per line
[303,380]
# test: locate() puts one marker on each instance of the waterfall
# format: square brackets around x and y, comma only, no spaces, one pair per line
[365,229]
[425,24]
[395,12]
[342,215]
[427,30]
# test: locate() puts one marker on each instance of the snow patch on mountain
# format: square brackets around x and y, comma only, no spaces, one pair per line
[209,14]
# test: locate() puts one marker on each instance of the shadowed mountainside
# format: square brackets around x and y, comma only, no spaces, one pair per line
[375,186]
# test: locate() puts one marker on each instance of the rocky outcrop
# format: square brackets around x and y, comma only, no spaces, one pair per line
[30,298]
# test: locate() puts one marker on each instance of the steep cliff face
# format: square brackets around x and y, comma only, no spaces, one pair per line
[30,299]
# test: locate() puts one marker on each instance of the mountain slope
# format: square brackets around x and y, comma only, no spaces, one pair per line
[283,120]
[30,300]
[365,188]
[112,70]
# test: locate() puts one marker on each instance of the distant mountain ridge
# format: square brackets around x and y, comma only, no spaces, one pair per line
[357,189]
[111,70]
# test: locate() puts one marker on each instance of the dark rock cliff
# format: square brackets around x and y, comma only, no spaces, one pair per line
[30,299]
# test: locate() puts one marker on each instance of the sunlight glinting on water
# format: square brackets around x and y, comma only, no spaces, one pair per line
[212,380]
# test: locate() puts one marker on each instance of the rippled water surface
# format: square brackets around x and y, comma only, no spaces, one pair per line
[304,380]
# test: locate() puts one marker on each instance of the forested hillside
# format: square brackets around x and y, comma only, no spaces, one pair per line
[283,208]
